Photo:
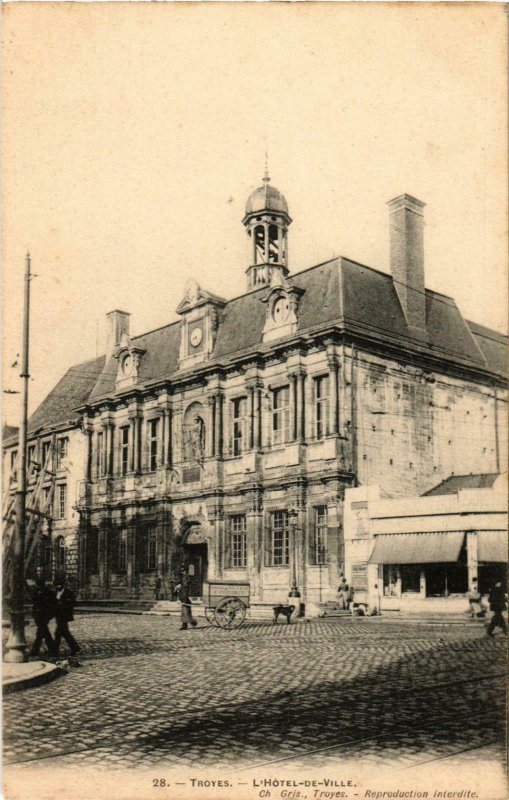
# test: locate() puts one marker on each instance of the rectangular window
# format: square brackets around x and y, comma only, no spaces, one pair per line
[47,505]
[62,501]
[410,578]
[46,457]
[151,550]
[100,454]
[321,396]
[280,553]
[238,541]
[281,415]
[153,437]
[30,455]
[239,412]
[122,551]
[14,465]
[124,450]
[62,447]
[319,555]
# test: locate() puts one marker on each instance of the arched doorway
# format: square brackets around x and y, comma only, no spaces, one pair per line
[195,559]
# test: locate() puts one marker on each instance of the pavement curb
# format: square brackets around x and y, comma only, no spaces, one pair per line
[47,673]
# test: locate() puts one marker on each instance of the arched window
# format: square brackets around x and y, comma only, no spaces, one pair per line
[259,241]
[273,244]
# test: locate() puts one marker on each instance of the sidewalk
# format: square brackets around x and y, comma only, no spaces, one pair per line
[23,676]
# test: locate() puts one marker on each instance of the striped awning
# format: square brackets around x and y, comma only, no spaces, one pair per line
[417,548]
[492,546]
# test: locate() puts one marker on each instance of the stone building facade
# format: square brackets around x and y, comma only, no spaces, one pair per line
[225,441]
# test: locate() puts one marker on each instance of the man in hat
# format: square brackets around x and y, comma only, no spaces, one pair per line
[498,605]
[185,603]
[65,601]
[43,610]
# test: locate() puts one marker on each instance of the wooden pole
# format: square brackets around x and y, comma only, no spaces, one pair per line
[15,649]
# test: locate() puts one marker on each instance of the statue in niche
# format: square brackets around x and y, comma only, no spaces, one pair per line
[194,440]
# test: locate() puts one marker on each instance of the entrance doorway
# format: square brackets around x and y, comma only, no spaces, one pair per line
[197,568]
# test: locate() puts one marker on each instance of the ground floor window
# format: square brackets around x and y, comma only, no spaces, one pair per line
[391,574]
[238,541]
[410,578]
[488,575]
[151,551]
[445,579]
[279,539]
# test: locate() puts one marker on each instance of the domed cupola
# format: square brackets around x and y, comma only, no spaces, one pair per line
[266,222]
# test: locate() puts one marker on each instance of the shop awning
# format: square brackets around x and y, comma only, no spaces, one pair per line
[492,546]
[417,548]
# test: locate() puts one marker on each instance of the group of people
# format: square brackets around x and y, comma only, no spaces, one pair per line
[50,603]
[497,602]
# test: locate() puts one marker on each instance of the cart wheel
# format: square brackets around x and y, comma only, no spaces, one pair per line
[209,615]
[230,612]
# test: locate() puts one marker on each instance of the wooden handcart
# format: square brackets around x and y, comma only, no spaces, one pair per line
[226,602]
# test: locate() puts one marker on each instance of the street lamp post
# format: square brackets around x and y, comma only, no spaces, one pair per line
[294,593]
[15,648]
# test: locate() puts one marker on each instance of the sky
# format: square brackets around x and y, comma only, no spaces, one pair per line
[134,133]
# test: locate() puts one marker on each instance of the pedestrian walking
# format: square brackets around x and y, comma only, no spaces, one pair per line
[65,602]
[43,610]
[186,615]
[474,599]
[498,604]
[344,593]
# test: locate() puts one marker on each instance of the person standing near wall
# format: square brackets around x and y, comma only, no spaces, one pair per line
[185,604]
[474,599]
[498,604]
[344,593]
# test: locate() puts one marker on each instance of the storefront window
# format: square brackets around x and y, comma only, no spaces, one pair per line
[445,579]
[410,578]
[390,580]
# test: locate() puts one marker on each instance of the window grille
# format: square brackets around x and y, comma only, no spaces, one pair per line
[62,501]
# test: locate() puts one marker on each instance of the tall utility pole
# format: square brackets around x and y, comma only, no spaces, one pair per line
[15,649]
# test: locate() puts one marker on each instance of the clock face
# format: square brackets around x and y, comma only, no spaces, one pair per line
[196,336]
[127,365]
[280,310]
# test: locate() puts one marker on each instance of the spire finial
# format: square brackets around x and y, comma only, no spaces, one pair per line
[266,177]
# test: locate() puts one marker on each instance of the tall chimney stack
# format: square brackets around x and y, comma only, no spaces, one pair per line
[117,325]
[407,258]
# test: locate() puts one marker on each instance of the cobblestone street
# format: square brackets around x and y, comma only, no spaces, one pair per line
[380,692]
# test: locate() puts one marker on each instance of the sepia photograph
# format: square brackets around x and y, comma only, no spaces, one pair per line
[254,400]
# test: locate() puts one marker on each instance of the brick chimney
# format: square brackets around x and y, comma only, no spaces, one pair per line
[117,324]
[407,258]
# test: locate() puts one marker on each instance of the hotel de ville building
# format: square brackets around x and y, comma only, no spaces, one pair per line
[225,440]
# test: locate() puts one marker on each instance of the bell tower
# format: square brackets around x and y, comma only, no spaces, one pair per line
[266,222]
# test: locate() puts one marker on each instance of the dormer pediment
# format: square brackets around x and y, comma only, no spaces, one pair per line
[200,311]
[282,302]
[129,358]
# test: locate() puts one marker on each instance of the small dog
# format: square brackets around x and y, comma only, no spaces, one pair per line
[286,611]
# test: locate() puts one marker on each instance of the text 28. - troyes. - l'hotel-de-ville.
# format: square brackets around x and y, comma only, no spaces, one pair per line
[227,439]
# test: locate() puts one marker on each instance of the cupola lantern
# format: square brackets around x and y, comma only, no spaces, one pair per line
[266,222]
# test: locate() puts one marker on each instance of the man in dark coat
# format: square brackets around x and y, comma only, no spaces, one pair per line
[43,610]
[65,601]
[185,604]
[497,601]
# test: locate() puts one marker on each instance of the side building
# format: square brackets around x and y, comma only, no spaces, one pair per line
[226,440]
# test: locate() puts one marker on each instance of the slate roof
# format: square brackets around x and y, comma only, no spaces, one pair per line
[72,390]
[455,483]
[352,297]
